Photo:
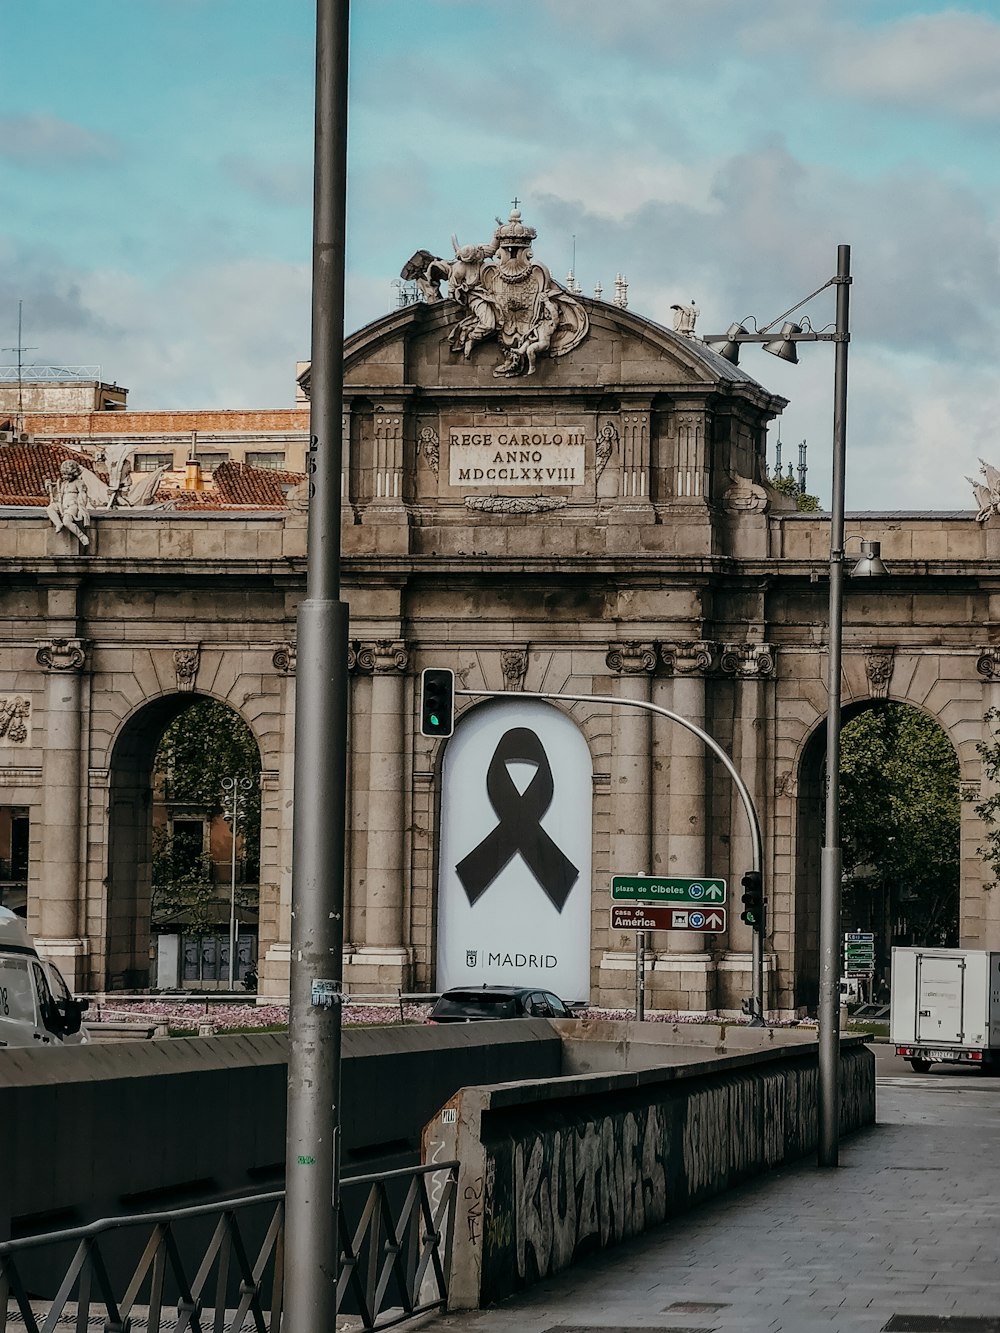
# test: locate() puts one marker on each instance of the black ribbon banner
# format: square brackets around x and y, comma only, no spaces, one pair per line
[519,829]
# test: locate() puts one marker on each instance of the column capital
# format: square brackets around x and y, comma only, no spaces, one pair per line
[748,660]
[988,664]
[692,658]
[62,654]
[382,657]
[632,658]
[283,658]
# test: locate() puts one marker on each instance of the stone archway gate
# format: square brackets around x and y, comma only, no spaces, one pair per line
[93,644]
[636,549]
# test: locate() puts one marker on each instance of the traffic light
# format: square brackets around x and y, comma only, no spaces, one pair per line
[437,701]
[753,900]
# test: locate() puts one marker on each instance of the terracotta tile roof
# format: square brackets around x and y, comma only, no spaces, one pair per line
[235,483]
[25,468]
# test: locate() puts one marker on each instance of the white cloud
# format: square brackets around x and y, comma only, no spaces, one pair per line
[617,188]
[946,61]
[42,139]
[224,336]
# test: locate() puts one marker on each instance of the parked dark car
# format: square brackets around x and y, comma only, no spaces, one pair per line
[465,1004]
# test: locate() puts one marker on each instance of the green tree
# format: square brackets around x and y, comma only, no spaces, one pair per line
[806,504]
[203,745]
[183,888]
[988,809]
[900,811]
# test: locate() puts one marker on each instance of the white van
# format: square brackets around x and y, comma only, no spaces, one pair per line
[36,1006]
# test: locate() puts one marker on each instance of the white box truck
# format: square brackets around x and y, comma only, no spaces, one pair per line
[945,1006]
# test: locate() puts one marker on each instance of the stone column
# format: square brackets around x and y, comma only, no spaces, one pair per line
[631,801]
[752,665]
[383,961]
[56,914]
[274,959]
[634,447]
[683,974]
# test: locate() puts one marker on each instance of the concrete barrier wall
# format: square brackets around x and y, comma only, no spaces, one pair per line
[552,1172]
[94,1131]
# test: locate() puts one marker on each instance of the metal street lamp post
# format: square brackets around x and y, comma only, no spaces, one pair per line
[312,1172]
[235,792]
[783,346]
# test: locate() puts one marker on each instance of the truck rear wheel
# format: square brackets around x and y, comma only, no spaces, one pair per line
[920,1066]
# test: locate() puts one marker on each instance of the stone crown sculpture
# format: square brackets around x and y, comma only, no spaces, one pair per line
[503,293]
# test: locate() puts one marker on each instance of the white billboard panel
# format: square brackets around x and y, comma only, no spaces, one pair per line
[515,852]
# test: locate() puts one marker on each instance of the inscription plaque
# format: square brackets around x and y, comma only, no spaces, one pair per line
[516,456]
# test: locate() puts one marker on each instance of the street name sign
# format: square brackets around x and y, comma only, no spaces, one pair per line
[704,892]
[640,916]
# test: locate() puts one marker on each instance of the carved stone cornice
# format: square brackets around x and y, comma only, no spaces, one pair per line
[186,663]
[632,658]
[747,660]
[988,664]
[878,669]
[382,657]
[283,658]
[514,664]
[62,655]
[687,659]
[515,504]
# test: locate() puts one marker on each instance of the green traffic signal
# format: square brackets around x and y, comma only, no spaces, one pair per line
[437,701]
[753,900]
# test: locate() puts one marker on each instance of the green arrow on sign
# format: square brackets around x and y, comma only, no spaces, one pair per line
[668,889]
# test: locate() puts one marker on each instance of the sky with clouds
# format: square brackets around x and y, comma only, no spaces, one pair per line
[156,160]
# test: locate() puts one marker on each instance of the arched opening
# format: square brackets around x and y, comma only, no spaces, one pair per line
[173,866]
[900,828]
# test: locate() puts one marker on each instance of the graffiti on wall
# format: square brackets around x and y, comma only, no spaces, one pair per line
[557,1191]
[590,1186]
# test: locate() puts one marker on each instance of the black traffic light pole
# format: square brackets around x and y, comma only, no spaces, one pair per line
[444,682]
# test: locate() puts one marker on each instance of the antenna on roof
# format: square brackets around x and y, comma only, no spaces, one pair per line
[571,283]
[20,349]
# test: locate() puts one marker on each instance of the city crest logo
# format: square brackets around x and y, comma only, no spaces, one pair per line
[470,957]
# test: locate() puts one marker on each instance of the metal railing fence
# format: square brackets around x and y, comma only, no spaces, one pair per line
[395,1256]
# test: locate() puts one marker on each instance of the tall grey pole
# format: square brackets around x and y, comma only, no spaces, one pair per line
[830,866]
[312,1172]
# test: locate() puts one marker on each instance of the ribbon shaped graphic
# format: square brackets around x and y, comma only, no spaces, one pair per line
[519,829]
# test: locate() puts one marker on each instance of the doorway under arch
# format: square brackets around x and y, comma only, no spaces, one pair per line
[900,814]
[128,915]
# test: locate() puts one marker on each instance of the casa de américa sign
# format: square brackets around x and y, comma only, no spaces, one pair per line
[516,456]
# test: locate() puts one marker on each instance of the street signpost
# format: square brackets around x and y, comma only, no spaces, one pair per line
[859,953]
[658,902]
[643,917]
[707,891]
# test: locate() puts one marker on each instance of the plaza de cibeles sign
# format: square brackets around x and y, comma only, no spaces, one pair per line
[516,456]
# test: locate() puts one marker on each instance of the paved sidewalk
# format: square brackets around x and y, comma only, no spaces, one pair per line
[908,1225]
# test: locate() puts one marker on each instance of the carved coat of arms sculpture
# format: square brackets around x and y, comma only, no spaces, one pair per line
[504,293]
